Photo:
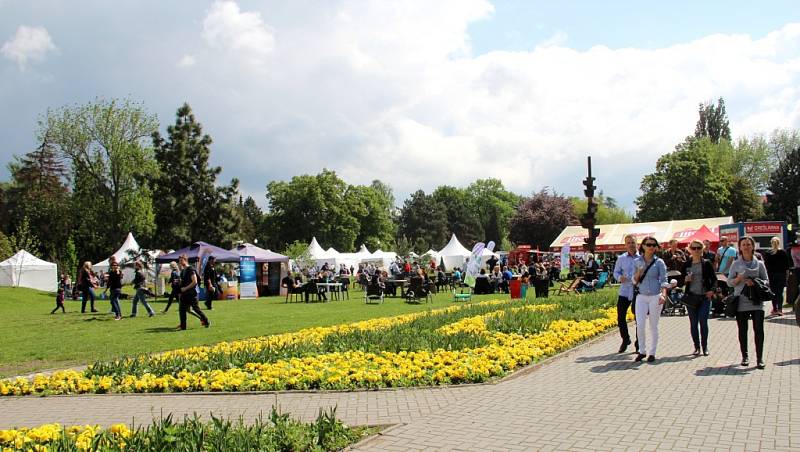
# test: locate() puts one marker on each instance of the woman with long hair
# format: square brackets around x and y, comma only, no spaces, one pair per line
[87,283]
[699,286]
[650,278]
[743,271]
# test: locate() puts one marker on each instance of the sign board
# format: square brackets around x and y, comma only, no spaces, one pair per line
[565,257]
[247,277]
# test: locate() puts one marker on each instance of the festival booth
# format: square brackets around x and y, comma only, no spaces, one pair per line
[125,256]
[454,254]
[26,270]
[268,269]
[611,238]
[380,259]
[198,254]
[319,255]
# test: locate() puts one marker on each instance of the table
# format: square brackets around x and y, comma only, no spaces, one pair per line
[334,288]
[399,282]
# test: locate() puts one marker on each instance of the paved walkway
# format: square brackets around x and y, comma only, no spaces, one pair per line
[590,398]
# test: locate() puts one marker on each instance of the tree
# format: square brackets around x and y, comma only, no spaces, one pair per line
[540,218]
[38,192]
[462,219]
[320,206]
[375,214]
[298,252]
[6,250]
[189,206]
[106,143]
[24,238]
[251,219]
[494,206]
[713,122]
[684,185]
[423,221]
[743,204]
[784,186]
[607,211]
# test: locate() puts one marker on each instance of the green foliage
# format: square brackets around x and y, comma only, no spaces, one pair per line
[6,250]
[189,206]
[423,220]
[24,239]
[494,206]
[278,432]
[713,122]
[298,252]
[540,218]
[68,259]
[462,218]
[374,210]
[106,143]
[701,179]
[38,192]
[784,186]
[607,210]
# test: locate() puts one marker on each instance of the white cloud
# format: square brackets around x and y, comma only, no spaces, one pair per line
[187,61]
[243,35]
[29,45]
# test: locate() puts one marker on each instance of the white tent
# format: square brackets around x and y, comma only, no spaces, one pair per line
[319,255]
[454,254]
[487,254]
[363,251]
[433,255]
[380,258]
[130,247]
[26,270]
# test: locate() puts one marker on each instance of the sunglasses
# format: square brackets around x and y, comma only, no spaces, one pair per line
[650,245]
[696,247]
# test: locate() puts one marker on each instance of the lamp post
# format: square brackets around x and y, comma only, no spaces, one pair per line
[589,220]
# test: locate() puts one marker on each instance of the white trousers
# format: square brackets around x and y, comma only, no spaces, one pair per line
[647,305]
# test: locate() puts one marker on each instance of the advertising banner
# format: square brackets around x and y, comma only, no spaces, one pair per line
[247,277]
[565,257]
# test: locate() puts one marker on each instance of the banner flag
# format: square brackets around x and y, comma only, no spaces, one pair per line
[474,264]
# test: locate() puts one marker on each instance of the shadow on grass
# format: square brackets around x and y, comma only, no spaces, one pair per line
[732,370]
[160,329]
[104,318]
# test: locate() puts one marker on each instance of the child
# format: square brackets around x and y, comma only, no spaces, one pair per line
[59,301]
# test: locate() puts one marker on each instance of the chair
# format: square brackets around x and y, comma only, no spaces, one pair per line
[345,289]
[417,290]
[571,287]
[294,291]
[373,292]
[596,284]
[602,280]
[482,286]
[459,295]
[363,280]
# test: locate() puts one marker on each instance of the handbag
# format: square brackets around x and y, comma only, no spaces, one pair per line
[731,305]
[692,300]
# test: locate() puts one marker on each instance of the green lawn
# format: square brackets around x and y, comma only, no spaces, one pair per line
[34,340]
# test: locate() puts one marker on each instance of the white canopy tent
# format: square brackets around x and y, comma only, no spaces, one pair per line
[433,255]
[319,255]
[26,270]
[454,254]
[130,247]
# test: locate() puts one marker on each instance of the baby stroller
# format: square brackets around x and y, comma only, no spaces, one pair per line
[674,304]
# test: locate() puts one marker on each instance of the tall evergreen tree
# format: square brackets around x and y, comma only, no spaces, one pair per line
[188,204]
[423,221]
[713,122]
[784,186]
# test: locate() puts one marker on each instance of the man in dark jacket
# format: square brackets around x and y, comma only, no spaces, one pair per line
[210,281]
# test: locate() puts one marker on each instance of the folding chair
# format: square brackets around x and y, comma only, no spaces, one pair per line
[373,293]
[571,287]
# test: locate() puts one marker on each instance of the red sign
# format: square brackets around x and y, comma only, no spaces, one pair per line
[579,238]
[763,228]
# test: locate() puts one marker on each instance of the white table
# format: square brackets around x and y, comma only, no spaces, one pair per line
[332,287]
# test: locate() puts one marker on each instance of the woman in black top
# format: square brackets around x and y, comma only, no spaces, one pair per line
[778,264]
[115,286]
[699,285]
[87,284]
[175,285]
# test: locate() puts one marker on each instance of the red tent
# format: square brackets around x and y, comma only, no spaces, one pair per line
[701,234]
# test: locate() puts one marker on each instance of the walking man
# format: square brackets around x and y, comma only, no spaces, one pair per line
[623,272]
[188,298]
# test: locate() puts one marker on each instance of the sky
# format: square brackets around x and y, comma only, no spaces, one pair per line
[415,93]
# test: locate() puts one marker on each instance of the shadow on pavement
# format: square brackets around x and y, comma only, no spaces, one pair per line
[783,320]
[733,369]
[791,362]
[609,357]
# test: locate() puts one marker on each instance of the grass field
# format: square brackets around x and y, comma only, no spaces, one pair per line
[34,340]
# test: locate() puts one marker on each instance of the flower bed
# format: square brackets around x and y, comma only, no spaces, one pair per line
[278,432]
[458,344]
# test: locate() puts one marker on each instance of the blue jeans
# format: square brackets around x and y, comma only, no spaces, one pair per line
[140,296]
[88,295]
[115,302]
[699,317]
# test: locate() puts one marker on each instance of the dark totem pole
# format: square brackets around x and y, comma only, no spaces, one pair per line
[589,220]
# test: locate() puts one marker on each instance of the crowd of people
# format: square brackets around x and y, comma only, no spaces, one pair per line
[184,283]
[738,278]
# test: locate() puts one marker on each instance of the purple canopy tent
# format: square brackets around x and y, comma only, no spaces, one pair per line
[261,255]
[202,249]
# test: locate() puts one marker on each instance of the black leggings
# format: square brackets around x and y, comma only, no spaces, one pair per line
[758,329]
[175,295]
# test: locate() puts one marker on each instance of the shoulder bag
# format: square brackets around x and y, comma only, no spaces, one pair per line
[636,286]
